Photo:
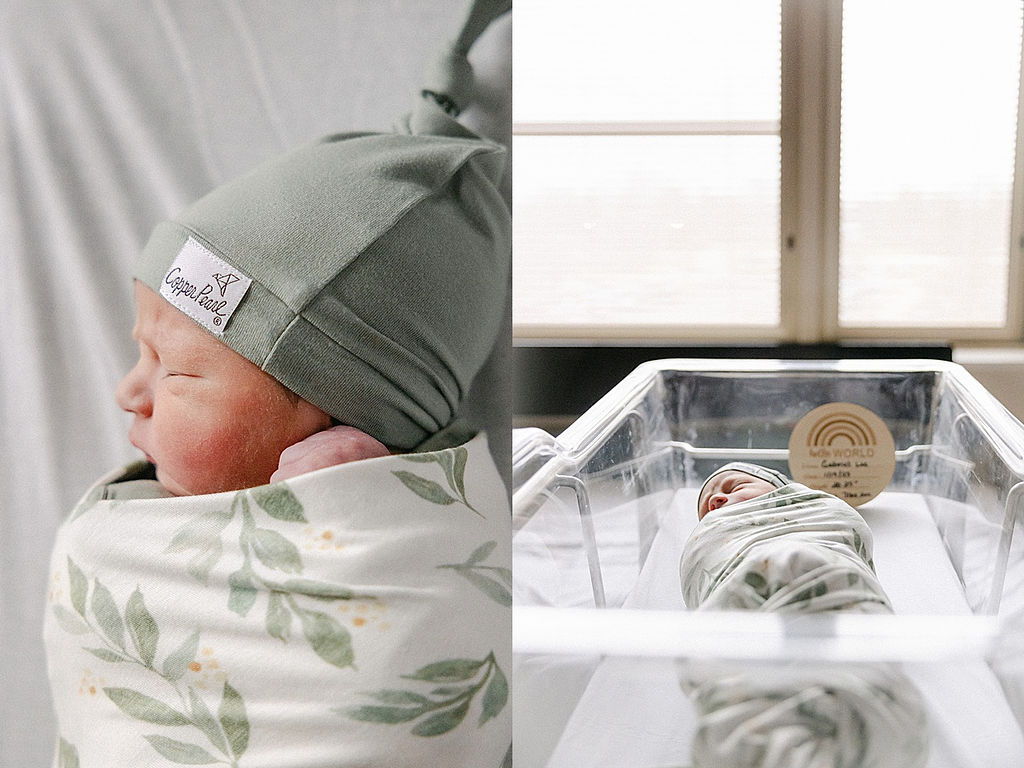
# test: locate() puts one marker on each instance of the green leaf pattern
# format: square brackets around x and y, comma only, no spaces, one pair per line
[494,581]
[453,464]
[202,726]
[67,755]
[242,591]
[331,641]
[231,716]
[107,615]
[141,627]
[227,734]
[275,551]
[272,551]
[444,707]
[200,714]
[79,587]
[279,618]
[202,535]
[69,621]
[143,707]
[425,489]
[105,654]
[178,660]
[180,752]
[279,502]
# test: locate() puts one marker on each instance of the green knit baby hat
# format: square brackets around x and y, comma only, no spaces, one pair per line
[368,273]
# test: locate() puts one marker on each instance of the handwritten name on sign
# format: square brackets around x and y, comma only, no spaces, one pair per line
[844,449]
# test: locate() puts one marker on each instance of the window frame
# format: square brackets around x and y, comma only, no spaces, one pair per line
[809,209]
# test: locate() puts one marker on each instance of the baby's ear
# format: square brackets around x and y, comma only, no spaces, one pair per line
[330,447]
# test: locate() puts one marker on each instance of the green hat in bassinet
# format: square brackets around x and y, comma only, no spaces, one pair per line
[367,273]
[772,476]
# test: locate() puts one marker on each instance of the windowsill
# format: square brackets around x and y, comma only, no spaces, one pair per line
[1007,354]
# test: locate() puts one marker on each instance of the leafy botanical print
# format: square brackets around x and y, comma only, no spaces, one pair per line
[453,462]
[274,552]
[132,636]
[455,683]
[211,614]
[791,549]
[203,534]
[493,580]
[67,755]
[794,550]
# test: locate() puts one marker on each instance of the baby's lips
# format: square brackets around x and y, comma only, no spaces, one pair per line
[134,441]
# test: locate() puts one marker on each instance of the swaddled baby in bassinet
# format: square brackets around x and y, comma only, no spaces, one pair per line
[311,568]
[765,543]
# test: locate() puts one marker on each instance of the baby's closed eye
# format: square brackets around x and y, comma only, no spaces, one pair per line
[179,382]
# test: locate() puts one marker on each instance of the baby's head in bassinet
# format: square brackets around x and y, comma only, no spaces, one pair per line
[730,487]
[736,482]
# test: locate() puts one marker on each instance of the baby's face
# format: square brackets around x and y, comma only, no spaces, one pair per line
[209,419]
[730,487]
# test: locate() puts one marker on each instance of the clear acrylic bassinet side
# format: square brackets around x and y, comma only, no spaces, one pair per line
[587,525]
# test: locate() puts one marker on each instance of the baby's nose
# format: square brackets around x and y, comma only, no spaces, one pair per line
[132,393]
[717,500]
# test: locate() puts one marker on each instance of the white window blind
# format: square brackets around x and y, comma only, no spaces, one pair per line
[929,123]
[646,166]
[649,193]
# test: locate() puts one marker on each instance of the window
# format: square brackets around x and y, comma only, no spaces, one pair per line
[756,170]
[929,118]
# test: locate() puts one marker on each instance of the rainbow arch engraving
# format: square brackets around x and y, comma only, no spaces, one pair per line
[846,428]
[843,449]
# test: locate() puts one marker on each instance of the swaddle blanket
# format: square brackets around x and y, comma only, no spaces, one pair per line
[354,616]
[794,550]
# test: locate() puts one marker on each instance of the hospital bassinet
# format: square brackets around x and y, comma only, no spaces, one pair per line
[601,513]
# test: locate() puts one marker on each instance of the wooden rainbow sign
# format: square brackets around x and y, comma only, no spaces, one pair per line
[845,449]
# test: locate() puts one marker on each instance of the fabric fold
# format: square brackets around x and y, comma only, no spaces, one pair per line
[358,615]
[794,550]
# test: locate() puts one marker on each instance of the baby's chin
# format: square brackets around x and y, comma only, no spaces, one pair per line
[198,486]
[170,484]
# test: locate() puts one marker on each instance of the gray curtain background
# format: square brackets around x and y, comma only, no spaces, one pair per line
[113,116]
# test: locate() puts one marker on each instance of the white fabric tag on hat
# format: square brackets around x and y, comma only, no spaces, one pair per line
[204,287]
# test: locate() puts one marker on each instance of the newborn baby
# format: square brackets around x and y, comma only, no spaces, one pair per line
[211,421]
[765,543]
[333,304]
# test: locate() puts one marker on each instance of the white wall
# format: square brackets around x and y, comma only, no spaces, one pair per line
[1001,372]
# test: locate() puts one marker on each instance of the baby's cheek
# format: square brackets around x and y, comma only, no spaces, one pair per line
[214,455]
[245,451]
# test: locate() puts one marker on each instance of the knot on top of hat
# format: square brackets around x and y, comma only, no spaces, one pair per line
[449,82]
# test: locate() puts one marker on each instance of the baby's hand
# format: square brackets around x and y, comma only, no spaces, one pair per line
[328,448]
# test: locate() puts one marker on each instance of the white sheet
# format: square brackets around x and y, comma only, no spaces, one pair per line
[635,713]
[113,116]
